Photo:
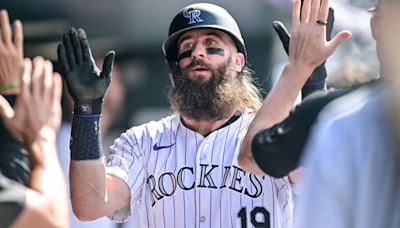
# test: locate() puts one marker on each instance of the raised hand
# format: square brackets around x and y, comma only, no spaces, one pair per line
[284,35]
[86,84]
[317,80]
[37,111]
[308,45]
[11,55]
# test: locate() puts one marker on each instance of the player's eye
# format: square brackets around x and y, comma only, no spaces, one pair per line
[187,46]
[211,43]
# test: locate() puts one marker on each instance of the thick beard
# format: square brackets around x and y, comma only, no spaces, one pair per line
[214,99]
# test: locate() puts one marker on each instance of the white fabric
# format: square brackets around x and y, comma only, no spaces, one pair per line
[353,179]
[195,181]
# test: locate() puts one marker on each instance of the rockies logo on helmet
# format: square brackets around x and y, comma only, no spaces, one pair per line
[201,15]
[193,15]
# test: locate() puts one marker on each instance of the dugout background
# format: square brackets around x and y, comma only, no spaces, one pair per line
[135,29]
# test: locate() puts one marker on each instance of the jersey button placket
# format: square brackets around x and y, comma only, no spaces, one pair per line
[202,219]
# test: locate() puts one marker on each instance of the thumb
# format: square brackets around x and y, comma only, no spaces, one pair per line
[108,64]
[6,111]
[283,34]
[337,40]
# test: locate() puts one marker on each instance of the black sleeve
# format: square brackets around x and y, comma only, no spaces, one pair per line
[277,150]
[14,159]
[12,200]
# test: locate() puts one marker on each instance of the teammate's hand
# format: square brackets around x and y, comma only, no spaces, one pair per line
[11,53]
[84,80]
[37,110]
[284,35]
[308,47]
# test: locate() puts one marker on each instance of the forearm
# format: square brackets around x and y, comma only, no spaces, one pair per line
[275,108]
[47,184]
[88,182]
[88,189]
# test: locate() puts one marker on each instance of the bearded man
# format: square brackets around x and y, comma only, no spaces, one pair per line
[182,171]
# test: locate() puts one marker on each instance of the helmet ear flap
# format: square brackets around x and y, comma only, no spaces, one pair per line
[172,69]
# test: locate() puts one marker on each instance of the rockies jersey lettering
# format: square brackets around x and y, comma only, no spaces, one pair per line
[172,180]
[178,178]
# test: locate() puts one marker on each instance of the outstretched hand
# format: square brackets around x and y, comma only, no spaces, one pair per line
[11,53]
[309,46]
[284,35]
[37,112]
[85,82]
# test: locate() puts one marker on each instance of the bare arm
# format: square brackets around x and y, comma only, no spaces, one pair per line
[94,193]
[308,49]
[35,120]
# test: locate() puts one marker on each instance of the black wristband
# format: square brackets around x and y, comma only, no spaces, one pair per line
[89,107]
[86,139]
[317,81]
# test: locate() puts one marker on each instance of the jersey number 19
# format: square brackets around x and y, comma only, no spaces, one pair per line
[243,217]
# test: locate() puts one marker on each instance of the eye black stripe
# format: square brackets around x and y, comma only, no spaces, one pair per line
[215,51]
[185,54]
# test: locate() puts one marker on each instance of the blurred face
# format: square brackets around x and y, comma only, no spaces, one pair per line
[385,25]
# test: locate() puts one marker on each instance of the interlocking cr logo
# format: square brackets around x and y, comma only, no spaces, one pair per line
[194,15]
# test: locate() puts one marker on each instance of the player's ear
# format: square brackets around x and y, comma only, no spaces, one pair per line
[239,60]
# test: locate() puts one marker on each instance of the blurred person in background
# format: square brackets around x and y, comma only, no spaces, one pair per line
[35,197]
[353,154]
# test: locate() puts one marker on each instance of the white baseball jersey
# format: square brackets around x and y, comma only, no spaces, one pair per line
[181,179]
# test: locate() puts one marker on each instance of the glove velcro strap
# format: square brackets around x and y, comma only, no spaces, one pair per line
[85,138]
[86,108]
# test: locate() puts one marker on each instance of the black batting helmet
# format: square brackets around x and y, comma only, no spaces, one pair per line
[201,15]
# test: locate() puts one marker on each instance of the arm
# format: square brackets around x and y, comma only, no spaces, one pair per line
[277,150]
[308,49]
[93,193]
[14,162]
[35,120]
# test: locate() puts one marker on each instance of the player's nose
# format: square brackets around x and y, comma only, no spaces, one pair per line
[198,51]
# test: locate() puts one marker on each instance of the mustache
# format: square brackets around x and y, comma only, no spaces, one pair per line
[198,62]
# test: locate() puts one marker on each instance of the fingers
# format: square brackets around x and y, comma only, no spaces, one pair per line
[314,11]
[62,59]
[283,34]
[108,64]
[76,45]
[324,10]
[6,111]
[18,37]
[48,78]
[305,11]
[337,40]
[26,77]
[37,75]
[87,54]
[57,87]
[296,13]
[69,49]
[5,27]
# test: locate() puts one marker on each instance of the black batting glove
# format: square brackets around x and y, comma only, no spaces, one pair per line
[86,84]
[317,80]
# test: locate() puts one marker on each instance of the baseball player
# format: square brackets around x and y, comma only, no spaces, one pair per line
[181,171]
